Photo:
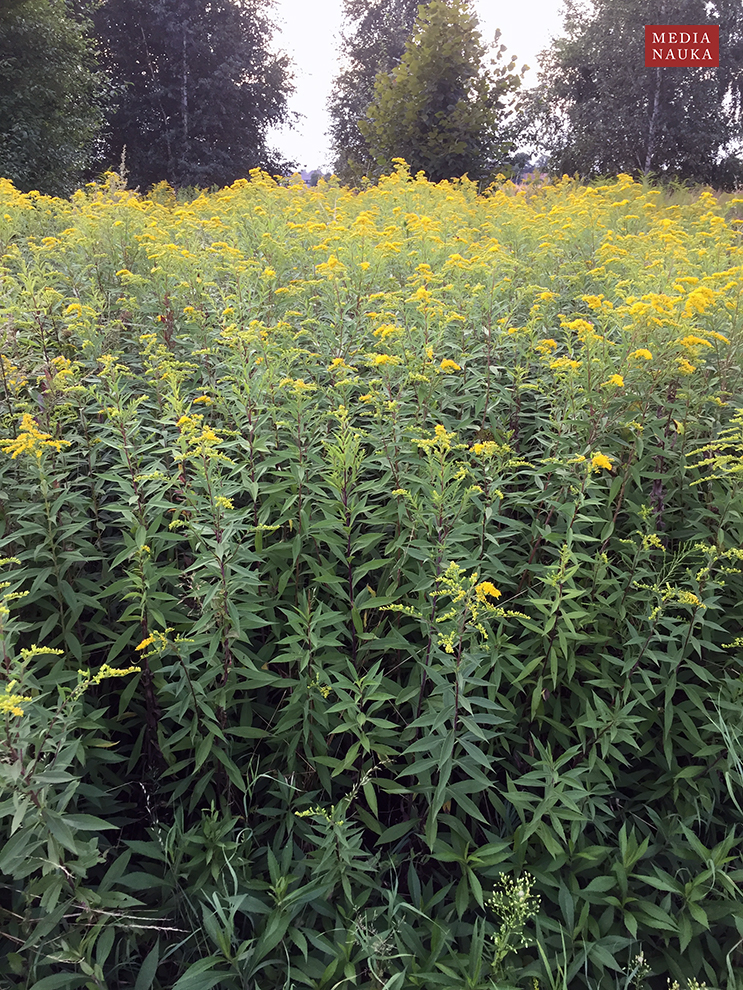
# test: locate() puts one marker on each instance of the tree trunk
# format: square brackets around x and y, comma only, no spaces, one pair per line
[156,89]
[184,93]
[653,129]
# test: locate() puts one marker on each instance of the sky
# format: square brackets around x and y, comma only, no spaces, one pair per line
[309,31]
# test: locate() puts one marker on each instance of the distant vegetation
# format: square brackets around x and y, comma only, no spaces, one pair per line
[191,90]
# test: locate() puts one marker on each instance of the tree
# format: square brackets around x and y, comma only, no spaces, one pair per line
[441,109]
[198,88]
[598,110]
[50,95]
[373,41]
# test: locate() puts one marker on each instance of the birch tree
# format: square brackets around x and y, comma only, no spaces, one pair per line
[198,88]
[597,109]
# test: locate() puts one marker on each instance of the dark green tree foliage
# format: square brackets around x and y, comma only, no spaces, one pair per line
[442,109]
[49,89]
[598,110]
[374,41]
[198,88]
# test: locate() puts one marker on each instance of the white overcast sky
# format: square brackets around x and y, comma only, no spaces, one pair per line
[309,30]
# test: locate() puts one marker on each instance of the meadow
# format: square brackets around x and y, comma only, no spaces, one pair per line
[371,587]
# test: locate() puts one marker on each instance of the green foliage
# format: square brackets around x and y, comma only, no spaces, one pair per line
[373,41]
[50,96]
[441,110]
[598,111]
[374,579]
[197,89]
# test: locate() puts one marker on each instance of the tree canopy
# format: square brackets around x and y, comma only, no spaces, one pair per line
[50,95]
[373,41]
[442,109]
[198,88]
[599,110]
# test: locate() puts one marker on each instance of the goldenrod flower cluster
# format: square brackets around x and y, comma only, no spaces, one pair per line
[599,461]
[470,600]
[10,703]
[105,672]
[31,440]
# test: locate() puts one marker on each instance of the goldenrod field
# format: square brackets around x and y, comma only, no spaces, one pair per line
[372,587]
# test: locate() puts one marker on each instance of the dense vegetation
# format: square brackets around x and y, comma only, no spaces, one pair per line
[373,565]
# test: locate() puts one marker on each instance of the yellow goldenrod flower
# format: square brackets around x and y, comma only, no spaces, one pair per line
[486,588]
[582,326]
[204,399]
[298,384]
[448,365]
[691,340]
[642,352]
[687,597]
[10,704]
[485,449]
[593,302]
[564,364]
[31,440]
[599,461]
[614,380]
[440,443]
[329,265]
[386,330]
[546,346]
[379,359]
[698,300]
[421,294]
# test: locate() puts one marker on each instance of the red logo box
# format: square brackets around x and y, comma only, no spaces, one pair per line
[682,45]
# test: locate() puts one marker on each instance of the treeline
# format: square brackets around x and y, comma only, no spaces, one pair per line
[191,90]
